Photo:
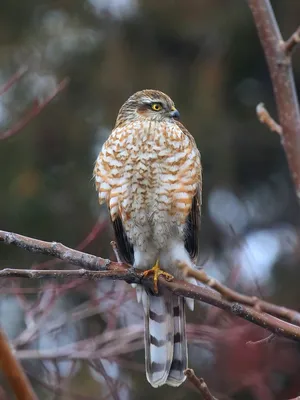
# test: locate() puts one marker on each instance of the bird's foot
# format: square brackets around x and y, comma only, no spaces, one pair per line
[156,271]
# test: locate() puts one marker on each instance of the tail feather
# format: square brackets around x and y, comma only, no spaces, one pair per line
[180,356]
[165,339]
[158,338]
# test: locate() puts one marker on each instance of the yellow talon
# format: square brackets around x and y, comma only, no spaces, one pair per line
[156,271]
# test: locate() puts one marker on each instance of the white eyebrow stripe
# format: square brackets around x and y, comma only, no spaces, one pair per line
[147,100]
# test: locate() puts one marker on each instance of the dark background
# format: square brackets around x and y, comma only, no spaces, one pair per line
[206,55]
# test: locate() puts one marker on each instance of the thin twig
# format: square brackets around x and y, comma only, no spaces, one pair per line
[14,372]
[278,56]
[292,42]
[111,385]
[35,110]
[265,340]
[265,118]
[13,79]
[98,268]
[200,384]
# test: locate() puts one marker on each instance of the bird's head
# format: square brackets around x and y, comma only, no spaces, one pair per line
[149,104]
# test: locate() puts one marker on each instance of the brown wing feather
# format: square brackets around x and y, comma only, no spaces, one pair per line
[124,246]
[193,226]
[193,219]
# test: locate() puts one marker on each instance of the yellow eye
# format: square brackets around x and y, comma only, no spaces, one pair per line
[156,106]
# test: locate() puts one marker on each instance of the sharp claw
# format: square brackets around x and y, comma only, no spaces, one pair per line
[156,271]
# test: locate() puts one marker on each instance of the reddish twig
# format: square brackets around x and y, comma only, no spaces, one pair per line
[14,372]
[200,384]
[278,56]
[265,340]
[96,229]
[13,79]
[36,109]
[99,268]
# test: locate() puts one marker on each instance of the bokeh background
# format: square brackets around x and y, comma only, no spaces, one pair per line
[206,55]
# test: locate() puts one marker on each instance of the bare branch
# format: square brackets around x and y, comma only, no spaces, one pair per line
[265,340]
[277,54]
[265,118]
[200,384]
[13,79]
[98,268]
[292,42]
[258,304]
[56,250]
[14,372]
[36,109]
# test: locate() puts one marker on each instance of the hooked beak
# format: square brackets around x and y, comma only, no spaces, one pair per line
[174,113]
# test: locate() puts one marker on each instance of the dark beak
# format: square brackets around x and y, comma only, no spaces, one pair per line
[175,114]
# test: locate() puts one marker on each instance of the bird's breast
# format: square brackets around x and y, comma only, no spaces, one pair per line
[150,170]
[157,161]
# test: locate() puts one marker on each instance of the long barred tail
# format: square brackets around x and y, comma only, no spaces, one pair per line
[165,339]
[180,354]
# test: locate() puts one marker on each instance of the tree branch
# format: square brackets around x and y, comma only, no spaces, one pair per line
[253,301]
[14,372]
[200,384]
[98,268]
[278,56]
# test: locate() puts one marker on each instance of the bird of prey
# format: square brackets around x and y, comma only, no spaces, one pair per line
[149,175]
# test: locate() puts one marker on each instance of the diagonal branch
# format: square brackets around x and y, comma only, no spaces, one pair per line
[98,268]
[14,372]
[200,384]
[35,110]
[13,79]
[278,56]
[253,301]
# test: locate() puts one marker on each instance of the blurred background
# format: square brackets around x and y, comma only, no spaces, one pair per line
[206,55]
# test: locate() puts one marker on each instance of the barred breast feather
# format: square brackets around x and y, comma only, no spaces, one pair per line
[148,169]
